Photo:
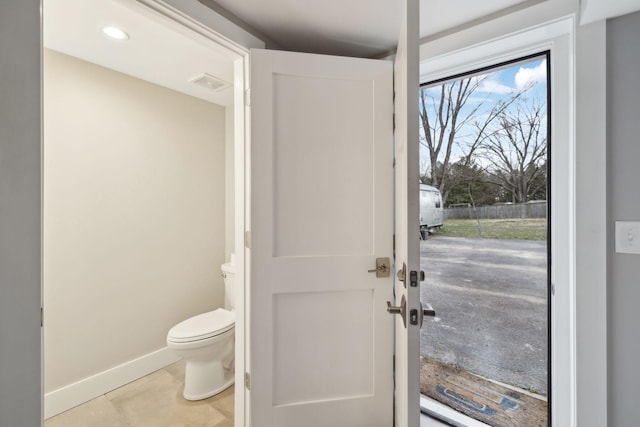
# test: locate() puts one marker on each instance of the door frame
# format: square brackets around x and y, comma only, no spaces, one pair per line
[557,37]
[185,15]
[242,209]
[29,8]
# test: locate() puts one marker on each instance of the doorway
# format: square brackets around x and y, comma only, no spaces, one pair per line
[485,146]
[141,145]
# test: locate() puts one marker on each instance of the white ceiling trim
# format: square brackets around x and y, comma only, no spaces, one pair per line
[226,32]
[596,10]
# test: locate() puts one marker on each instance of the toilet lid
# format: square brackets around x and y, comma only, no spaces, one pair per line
[202,326]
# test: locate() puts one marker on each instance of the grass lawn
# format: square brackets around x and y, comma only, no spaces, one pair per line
[524,229]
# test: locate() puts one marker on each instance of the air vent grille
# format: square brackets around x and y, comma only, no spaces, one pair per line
[210,82]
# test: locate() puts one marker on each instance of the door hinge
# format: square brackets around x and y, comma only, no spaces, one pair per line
[247,97]
[247,239]
[553,289]
[247,380]
[41,317]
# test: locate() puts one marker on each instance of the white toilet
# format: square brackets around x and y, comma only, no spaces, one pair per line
[207,344]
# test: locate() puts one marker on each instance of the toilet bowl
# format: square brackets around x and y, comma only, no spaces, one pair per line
[206,343]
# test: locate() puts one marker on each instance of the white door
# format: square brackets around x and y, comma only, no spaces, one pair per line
[321,342]
[320,338]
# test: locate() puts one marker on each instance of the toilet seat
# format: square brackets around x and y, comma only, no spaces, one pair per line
[202,326]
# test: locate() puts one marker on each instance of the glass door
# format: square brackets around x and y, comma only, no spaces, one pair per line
[484,223]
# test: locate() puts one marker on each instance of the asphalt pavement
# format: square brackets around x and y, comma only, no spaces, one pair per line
[490,298]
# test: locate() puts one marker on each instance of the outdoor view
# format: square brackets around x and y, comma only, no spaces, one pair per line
[483,208]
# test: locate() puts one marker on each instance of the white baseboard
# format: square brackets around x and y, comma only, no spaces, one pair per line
[449,415]
[72,395]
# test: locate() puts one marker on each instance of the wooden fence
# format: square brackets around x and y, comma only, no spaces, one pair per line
[534,209]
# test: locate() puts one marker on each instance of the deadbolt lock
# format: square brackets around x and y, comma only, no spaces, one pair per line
[383,267]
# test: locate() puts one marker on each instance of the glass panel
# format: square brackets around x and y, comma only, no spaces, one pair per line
[484,147]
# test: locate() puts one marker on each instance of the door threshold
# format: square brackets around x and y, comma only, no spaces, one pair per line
[450,416]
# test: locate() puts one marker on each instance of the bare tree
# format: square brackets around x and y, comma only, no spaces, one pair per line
[516,150]
[443,120]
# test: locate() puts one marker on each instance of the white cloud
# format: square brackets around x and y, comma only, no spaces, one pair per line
[527,76]
[493,86]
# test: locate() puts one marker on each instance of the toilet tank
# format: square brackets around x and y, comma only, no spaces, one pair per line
[229,274]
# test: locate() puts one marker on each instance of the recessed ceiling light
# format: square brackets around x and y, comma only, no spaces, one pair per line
[115,33]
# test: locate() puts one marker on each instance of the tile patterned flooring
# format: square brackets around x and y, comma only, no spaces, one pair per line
[152,401]
[156,401]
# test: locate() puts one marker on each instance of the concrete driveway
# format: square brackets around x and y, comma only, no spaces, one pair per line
[490,297]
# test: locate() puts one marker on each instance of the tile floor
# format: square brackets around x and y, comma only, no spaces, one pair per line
[154,401]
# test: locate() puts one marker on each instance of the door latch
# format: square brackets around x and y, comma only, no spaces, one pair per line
[416,317]
[413,278]
[402,274]
[383,267]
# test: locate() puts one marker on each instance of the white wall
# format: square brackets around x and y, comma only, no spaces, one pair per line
[134,215]
[230,188]
[591,218]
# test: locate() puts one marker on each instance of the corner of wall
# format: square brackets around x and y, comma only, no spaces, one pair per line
[591,220]
[623,204]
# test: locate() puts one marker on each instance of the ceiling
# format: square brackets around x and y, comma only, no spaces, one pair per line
[157,51]
[163,53]
[160,53]
[364,28]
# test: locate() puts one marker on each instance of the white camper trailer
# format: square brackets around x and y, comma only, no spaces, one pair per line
[431,211]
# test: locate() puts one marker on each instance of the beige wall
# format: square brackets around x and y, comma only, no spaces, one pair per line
[134,215]
[230,189]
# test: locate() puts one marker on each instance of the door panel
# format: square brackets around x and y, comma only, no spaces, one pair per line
[407,215]
[321,342]
[302,153]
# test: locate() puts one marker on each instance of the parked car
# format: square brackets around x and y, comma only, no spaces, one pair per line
[431,211]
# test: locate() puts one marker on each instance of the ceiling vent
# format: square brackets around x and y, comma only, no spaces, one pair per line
[210,82]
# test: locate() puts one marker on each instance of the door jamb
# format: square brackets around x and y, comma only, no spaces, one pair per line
[242,159]
[241,134]
[240,56]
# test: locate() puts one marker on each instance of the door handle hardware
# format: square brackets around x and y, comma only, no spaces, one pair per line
[401,310]
[425,310]
[383,268]
[402,274]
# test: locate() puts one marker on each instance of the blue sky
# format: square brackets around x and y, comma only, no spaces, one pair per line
[516,77]
[496,85]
